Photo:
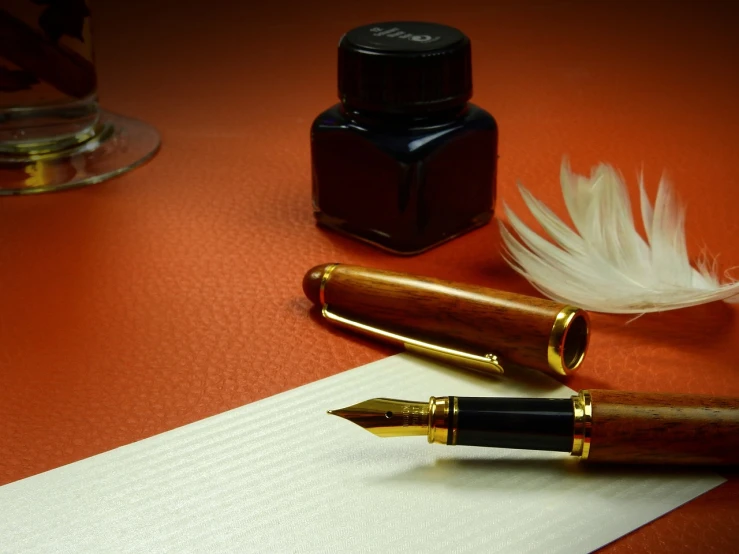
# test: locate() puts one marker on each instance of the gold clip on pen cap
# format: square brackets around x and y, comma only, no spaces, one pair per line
[465,325]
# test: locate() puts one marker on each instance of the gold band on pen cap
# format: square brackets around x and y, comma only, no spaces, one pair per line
[568,341]
[467,326]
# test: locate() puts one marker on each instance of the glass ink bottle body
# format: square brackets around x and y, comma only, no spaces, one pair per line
[404,161]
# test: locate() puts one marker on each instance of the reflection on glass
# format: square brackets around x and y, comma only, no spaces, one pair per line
[52,132]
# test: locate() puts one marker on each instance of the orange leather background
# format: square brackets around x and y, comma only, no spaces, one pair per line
[173,293]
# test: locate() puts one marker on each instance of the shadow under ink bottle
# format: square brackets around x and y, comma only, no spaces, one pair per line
[404,161]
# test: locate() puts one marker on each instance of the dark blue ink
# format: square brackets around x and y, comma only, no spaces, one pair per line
[404,161]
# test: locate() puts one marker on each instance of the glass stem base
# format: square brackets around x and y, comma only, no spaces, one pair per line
[113,146]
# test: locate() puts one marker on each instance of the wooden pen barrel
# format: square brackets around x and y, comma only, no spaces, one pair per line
[524,330]
[645,428]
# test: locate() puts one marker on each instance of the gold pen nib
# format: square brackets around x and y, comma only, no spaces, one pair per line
[386,417]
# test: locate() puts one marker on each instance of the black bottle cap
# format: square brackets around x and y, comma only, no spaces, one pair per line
[405,67]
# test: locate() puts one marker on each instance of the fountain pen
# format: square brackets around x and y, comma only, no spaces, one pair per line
[594,425]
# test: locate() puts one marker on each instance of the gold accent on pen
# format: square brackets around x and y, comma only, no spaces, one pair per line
[568,340]
[486,363]
[387,417]
[324,280]
[455,419]
[583,428]
[439,410]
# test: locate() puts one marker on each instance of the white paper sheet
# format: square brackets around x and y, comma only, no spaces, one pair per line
[280,475]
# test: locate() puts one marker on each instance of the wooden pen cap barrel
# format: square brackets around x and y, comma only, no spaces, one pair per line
[524,330]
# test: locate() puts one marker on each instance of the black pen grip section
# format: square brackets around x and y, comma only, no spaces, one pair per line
[524,423]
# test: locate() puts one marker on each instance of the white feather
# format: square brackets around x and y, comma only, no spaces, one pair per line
[605,265]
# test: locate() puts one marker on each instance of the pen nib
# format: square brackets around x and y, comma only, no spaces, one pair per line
[386,417]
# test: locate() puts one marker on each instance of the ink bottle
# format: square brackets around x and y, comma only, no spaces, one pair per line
[404,161]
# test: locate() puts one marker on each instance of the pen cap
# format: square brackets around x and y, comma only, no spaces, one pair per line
[478,321]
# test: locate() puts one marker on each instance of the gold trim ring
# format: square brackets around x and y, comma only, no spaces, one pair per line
[568,340]
[438,430]
[455,418]
[583,408]
[324,281]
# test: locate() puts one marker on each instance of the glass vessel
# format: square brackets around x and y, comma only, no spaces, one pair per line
[53,134]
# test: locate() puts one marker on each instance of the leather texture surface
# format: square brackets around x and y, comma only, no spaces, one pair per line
[174,292]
